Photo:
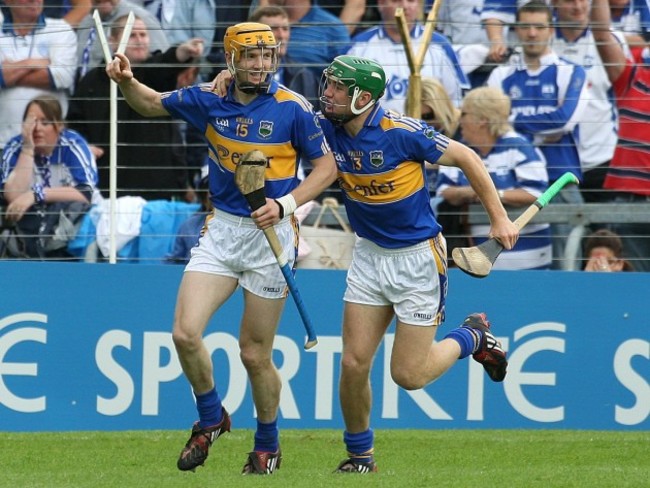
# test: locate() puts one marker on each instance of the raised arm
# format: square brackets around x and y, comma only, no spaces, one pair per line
[144,100]
[610,50]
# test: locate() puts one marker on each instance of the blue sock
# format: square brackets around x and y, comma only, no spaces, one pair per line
[266,437]
[467,338]
[360,444]
[209,408]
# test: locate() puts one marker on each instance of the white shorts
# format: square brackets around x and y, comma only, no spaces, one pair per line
[411,279]
[235,247]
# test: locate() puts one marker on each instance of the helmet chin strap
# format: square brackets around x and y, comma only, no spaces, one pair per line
[353,103]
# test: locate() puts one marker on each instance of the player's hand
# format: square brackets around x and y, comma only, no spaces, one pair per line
[221,82]
[267,215]
[119,69]
[506,232]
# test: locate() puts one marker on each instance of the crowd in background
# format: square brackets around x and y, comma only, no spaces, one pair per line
[561,84]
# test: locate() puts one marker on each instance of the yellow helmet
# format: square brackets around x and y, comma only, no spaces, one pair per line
[250,35]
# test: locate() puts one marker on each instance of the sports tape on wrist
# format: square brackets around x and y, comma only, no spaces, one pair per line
[287,205]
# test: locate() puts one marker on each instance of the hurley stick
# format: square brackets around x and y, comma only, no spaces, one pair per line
[414,91]
[478,260]
[249,178]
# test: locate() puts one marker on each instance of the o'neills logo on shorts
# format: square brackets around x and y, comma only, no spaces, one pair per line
[425,316]
[272,290]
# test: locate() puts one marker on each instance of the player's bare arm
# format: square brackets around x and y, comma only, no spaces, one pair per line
[321,177]
[502,228]
[144,100]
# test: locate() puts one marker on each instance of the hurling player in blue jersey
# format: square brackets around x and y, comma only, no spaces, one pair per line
[256,113]
[399,265]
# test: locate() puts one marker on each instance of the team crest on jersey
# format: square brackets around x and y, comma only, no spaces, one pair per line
[377,158]
[515,93]
[548,90]
[266,129]
[429,132]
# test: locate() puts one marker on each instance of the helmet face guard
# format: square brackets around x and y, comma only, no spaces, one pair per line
[357,75]
[242,41]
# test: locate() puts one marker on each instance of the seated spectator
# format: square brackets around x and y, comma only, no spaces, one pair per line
[151,155]
[383,44]
[190,230]
[36,56]
[518,171]
[89,49]
[292,75]
[628,176]
[47,171]
[603,252]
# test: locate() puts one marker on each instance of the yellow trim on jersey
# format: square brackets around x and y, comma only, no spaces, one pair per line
[406,123]
[284,95]
[391,186]
[281,156]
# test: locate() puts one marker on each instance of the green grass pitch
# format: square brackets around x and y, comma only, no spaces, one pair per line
[409,458]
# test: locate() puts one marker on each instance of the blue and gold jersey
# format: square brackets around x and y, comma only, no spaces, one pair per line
[281,124]
[381,173]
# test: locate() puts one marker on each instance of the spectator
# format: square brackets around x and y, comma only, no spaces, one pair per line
[383,44]
[603,253]
[36,56]
[46,170]
[189,19]
[516,167]
[317,36]
[89,49]
[292,75]
[151,156]
[598,126]
[629,172]
[548,98]
[189,231]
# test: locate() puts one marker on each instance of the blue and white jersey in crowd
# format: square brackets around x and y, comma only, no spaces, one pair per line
[547,105]
[382,177]
[70,164]
[634,19]
[440,62]
[280,123]
[460,21]
[513,163]
[599,121]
